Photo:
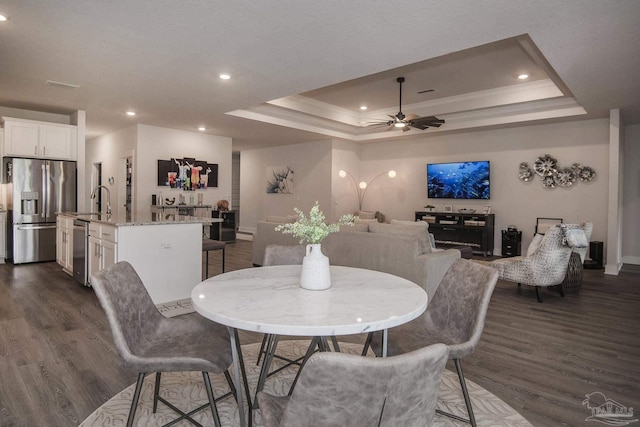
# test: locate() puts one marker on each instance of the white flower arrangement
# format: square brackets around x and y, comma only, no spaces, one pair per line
[314,229]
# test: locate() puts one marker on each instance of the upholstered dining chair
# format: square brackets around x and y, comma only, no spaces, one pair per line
[149,342]
[345,390]
[547,258]
[280,255]
[455,317]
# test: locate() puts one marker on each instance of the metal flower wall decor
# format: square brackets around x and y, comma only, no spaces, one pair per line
[546,167]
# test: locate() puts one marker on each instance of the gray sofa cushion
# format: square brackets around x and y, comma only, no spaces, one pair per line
[420,231]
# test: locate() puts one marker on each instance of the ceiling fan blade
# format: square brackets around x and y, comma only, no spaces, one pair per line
[425,122]
[432,119]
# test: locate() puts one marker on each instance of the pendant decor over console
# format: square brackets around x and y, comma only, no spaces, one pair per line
[546,167]
[187,174]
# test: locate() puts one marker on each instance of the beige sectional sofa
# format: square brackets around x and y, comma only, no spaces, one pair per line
[402,250]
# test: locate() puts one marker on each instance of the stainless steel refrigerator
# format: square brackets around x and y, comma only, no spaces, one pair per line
[37,190]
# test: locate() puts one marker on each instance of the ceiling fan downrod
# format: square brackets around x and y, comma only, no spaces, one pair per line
[400,115]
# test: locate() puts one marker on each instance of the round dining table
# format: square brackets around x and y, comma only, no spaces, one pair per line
[270,300]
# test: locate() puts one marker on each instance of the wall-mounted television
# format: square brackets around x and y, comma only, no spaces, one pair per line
[459,180]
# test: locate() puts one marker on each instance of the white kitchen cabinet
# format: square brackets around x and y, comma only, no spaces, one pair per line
[30,138]
[3,227]
[167,255]
[64,243]
[103,249]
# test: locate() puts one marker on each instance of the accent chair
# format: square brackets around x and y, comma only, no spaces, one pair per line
[547,258]
[149,342]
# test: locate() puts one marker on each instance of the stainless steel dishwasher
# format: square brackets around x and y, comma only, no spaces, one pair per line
[80,242]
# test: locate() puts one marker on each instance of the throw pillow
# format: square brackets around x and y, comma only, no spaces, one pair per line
[366,215]
[535,243]
[421,233]
[576,238]
[411,223]
[365,221]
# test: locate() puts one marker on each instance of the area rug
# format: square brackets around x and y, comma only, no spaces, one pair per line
[186,391]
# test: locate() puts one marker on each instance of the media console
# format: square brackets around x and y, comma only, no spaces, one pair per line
[461,229]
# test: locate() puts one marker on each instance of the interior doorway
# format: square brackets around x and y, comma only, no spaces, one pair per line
[128,191]
[96,179]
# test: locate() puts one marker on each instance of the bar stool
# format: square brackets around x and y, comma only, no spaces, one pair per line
[212,245]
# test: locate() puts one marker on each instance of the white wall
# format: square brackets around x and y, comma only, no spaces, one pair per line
[631,197]
[148,144]
[157,143]
[346,156]
[311,163]
[513,201]
[108,150]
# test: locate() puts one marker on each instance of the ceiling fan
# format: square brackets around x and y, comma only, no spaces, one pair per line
[403,122]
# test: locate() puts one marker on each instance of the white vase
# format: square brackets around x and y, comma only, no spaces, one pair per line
[316,275]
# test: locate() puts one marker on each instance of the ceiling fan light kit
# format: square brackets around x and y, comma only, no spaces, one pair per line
[401,121]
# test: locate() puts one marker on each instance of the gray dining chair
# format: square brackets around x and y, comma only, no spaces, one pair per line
[455,317]
[149,342]
[345,390]
[280,255]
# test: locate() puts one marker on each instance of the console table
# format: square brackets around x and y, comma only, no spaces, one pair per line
[455,229]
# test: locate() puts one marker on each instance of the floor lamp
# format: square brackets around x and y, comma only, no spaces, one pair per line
[361,188]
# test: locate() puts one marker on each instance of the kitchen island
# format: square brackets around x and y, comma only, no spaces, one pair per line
[166,253]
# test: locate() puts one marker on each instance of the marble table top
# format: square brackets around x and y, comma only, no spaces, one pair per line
[270,300]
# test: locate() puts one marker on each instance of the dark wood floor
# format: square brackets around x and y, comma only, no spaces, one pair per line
[58,363]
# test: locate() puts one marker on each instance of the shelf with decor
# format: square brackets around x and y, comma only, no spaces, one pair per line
[461,229]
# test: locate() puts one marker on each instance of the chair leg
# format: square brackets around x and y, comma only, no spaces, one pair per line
[367,344]
[262,348]
[465,392]
[561,290]
[223,259]
[212,402]
[156,392]
[539,293]
[136,397]
[206,268]
[467,399]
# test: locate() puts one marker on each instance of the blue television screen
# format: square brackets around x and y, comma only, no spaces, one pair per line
[460,180]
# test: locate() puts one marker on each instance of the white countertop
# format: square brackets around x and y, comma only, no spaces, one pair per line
[121,219]
[270,300]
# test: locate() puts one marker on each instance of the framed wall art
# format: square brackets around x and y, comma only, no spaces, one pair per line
[280,180]
[187,174]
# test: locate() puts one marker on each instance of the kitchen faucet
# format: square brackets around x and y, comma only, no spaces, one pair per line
[95,191]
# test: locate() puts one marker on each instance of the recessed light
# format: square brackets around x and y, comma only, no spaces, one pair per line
[363,107]
[202,128]
[131,113]
[523,76]
[3,18]
[224,76]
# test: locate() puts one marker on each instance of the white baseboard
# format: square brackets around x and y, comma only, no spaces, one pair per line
[244,236]
[635,260]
